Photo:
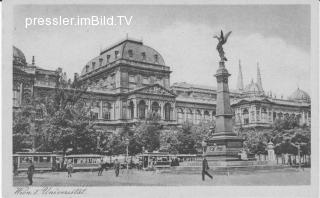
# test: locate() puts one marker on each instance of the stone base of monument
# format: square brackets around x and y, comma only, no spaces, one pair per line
[224,148]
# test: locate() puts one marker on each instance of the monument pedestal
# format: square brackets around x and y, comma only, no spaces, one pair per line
[224,143]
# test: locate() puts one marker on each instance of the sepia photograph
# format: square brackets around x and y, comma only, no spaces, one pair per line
[109,95]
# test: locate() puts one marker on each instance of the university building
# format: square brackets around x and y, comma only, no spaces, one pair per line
[129,79]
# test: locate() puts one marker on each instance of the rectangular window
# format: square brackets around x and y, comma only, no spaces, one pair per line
[93,65]
[130,52]
[116,53]
[156,58]
[100,62]
[145,80]
[108,58]
[143,54]
[131,78]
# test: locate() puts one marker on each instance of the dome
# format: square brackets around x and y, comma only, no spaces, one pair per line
[18,57]
[127,49]
[300,95]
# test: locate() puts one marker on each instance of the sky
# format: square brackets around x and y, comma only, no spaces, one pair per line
[276,36]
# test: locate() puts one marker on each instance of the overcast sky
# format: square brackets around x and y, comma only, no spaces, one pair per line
[278,37]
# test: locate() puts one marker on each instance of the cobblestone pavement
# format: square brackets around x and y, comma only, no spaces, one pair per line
[140,178]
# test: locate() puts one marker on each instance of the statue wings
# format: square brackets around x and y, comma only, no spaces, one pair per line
[227,35]
[223,39]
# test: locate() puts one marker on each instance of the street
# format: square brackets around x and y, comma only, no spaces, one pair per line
[148,178]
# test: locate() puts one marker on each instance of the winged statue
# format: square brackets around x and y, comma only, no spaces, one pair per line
[222,40]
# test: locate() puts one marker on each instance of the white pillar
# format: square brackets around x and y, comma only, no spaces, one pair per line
[135,107]
[162,110]
[100,110]
[185,114]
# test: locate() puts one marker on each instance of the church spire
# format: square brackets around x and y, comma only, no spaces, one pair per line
[259,81]
[240,78]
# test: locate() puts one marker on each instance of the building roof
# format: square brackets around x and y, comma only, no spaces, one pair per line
[18,57]
[128,49]
[253,88]
[271,100]
[197,87]
[299,95]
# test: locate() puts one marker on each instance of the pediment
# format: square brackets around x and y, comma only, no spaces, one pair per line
[155,90]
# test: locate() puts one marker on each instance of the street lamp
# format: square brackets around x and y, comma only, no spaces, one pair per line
[127,144]
[299,156]
[203,144]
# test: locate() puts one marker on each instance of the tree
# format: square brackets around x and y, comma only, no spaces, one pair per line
[65,121]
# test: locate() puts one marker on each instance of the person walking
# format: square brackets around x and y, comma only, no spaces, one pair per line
[69,168]
[116,167]
[101,167]
[30,172]
[205,168]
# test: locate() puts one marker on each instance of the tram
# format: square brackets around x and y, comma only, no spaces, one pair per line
[84,161]
[42,161]
[160,160]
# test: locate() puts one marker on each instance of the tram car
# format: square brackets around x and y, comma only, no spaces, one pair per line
[155,160]
[84,161]
[42,161]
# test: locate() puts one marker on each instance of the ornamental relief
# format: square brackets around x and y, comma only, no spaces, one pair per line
[156,90]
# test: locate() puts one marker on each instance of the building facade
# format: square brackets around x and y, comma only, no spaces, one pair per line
[129,80]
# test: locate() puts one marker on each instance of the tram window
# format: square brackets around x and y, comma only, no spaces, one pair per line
[48,159]
[89,160]
[35,158]
[41,159]
[75,161]
[25,159]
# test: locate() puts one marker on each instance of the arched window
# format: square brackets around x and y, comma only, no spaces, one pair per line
[131,110]
[198,117]
[206,116]
[189,116]
[155,107]
[214,115]
[167,111]
[280,115]
[106,111]
[180,115]
[142,109]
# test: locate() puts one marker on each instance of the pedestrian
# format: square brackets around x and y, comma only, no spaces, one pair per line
[101,167]
[30,172]
[69,168]
[205,168]
[116,167]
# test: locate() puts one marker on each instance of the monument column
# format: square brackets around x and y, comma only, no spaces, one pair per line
[223,112]
[224,142]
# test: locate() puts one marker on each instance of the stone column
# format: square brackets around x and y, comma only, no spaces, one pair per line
[260,115]
[21,94]
[162,110]
[303,118]
[224,114]
[149,106]
[174,114]
[100,111]
[194,116]
[135,107]
[185,114]
[202,119]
